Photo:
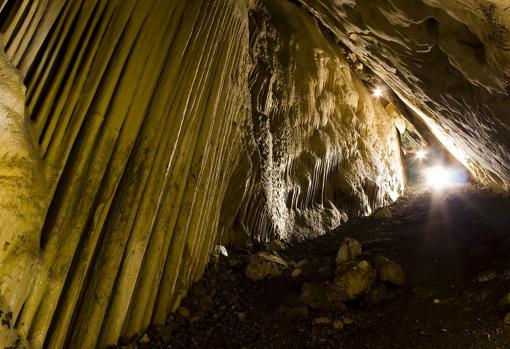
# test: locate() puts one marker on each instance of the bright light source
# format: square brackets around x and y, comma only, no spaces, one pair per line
[439,177]
[378,92]
[421,154]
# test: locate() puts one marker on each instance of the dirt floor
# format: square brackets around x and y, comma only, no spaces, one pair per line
[443,241]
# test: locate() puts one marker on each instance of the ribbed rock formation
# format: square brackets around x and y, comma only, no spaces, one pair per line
[146,122]
[137,109]
[447,59]
[320,148]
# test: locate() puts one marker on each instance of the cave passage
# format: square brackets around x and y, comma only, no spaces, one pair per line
[254,174]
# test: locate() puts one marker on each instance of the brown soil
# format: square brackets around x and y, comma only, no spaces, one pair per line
[442,241]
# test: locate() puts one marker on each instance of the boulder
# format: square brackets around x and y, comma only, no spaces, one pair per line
[389,271]
[349,250]
[263,264]
[353,280]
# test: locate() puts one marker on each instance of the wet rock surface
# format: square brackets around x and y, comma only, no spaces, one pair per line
[433,242]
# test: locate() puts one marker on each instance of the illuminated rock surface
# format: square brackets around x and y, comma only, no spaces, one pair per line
[447,59]
[150,131]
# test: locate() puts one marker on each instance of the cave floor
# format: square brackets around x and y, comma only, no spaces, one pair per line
[442,241]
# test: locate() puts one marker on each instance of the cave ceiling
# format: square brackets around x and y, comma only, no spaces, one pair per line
[449,61]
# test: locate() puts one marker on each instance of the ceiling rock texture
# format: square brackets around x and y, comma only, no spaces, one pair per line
[449,60]
[138,134]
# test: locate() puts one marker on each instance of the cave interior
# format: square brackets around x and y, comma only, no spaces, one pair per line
[254,174]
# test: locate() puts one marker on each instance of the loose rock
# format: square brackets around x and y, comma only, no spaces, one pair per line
[301,264]
[322,320]
[353,280]
[505,300]
[336,300]
[338,324]
[507,319]
[347,321]
[505,275]
[296,273]
[263,265]
[145,338]
[389,271]
[184,312]
[219,250]
[349,250]
[486,276]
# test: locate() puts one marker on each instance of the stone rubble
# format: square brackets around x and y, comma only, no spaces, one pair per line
[264,264]
[349,250]
[389,271]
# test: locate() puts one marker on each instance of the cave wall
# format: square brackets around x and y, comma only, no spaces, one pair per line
[447,59]
[149,130]
[135,108]
[321,148]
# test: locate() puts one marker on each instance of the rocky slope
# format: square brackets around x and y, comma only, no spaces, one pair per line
[454,293]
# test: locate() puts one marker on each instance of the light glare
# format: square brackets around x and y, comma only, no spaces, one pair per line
[421,154]
[439,177]
[378,92]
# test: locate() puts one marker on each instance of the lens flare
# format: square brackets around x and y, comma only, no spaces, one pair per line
[439,177]
[421,154]
[378,92]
